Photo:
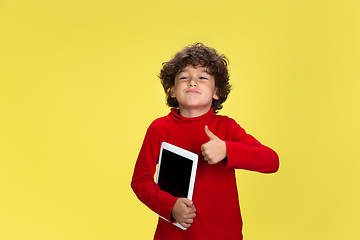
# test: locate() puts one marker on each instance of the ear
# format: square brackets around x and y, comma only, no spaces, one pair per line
[216,94]
[172,91]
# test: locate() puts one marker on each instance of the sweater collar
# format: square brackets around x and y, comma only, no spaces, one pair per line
[195,121]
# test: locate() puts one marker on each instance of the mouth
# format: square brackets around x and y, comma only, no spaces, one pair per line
[192,91]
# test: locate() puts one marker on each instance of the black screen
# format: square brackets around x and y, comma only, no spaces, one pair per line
[175,172]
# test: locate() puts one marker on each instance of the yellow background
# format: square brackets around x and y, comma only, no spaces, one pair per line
[79,87]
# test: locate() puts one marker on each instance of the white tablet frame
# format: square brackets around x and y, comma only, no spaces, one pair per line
[186,154]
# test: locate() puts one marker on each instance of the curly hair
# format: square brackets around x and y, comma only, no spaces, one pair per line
[197,55]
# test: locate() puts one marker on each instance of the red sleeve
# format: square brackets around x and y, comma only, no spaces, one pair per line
[143,183]
[245,152]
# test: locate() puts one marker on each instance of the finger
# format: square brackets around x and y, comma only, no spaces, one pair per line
[189,221]
[187,202]
[203,153]
[189,213]
[210,162]
[192,210]
[185,225]
[203,149]
[193,215]
[210,134]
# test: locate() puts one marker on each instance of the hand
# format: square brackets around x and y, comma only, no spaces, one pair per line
[184,212]
[214,150]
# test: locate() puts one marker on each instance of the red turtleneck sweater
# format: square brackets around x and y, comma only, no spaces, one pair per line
[215,192]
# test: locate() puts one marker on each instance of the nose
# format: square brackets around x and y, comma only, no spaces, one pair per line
[192,83]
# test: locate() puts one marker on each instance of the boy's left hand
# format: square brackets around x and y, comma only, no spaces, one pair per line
[214,150]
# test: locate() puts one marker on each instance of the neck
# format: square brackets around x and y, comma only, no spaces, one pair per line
[191,113]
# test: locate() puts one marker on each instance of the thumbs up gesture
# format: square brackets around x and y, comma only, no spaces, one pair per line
[214,150]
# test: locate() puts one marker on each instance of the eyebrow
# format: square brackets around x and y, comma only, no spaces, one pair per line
[204,71]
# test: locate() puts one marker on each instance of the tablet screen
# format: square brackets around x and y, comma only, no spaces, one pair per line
[175,174]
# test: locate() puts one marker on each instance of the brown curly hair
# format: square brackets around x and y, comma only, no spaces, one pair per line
[197,55]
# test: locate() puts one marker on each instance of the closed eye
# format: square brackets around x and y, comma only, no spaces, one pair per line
[204,78]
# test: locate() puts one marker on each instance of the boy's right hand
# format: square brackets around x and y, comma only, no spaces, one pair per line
[184,212]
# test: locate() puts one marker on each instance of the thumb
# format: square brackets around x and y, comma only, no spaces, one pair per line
[187,202]
[210,134]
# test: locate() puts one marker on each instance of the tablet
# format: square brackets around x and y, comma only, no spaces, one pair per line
[176,172]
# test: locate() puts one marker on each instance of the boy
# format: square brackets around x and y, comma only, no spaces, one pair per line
[196,83]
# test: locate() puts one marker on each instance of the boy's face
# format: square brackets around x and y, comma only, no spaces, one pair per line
[194,90]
